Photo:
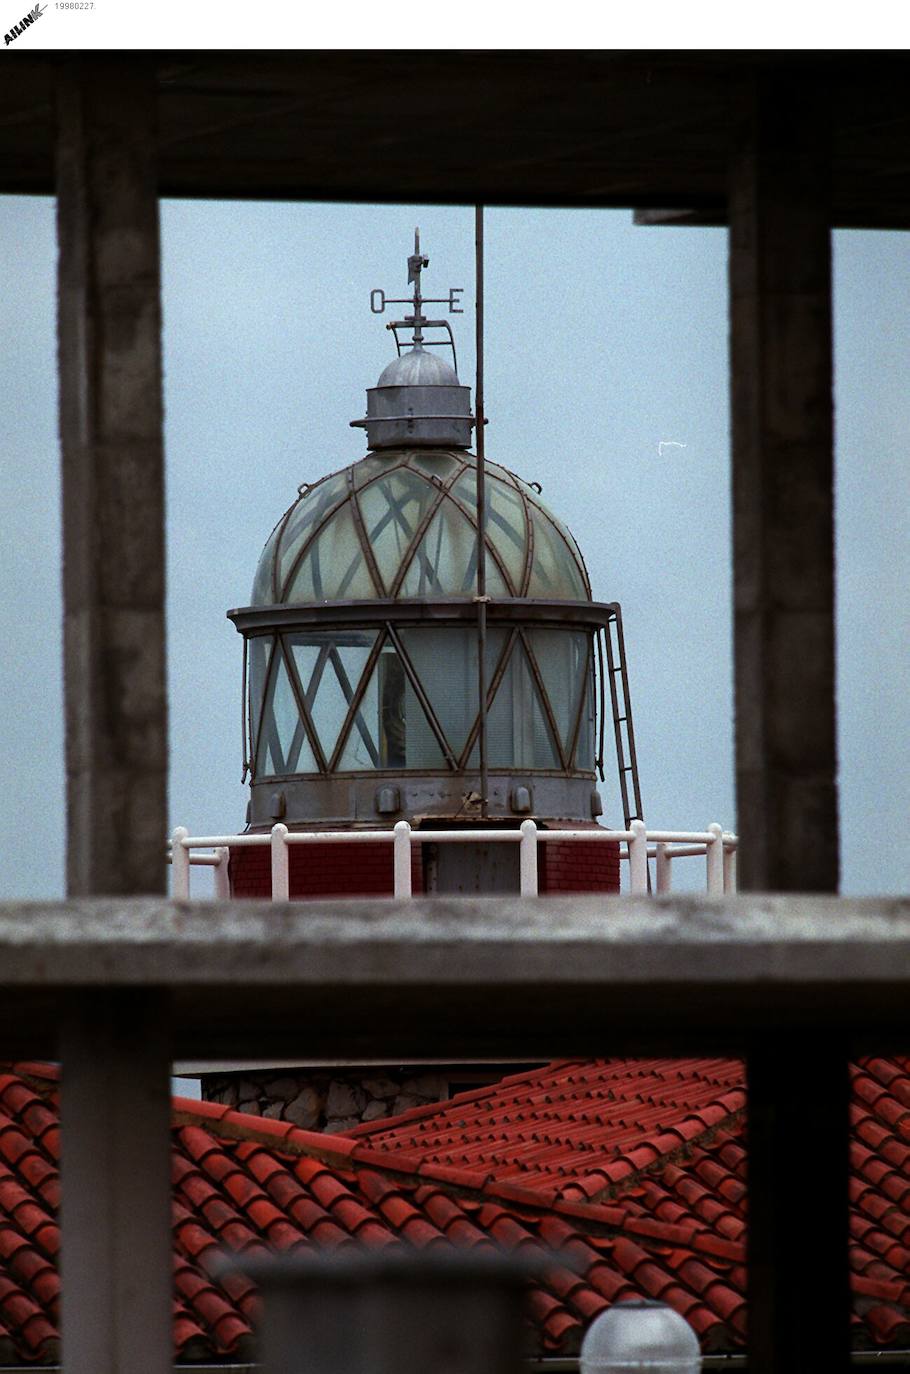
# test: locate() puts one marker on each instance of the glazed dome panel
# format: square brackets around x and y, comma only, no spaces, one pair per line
[403,524]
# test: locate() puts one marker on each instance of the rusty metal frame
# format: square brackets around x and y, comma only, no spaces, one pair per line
[545,696]
[385,618]
[303,704]
[443,490]
[492,689]
[420,610]
[602,702]
[369,556]
[320,526]
[422,697]
[354,707]
[272,637]
[490,546]
[394,511]
[631,766]
[587,682]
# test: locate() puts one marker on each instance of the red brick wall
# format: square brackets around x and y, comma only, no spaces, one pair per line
[575,866]
[322,870]
[365,869]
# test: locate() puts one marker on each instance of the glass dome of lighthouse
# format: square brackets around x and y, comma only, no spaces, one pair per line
[362,628]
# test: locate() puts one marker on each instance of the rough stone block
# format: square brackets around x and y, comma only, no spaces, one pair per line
[304,1109]
[345,1099]
[337,1125]
[281,1089]
[380,1087]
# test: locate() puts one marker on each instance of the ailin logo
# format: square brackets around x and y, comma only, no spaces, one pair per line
[23,24]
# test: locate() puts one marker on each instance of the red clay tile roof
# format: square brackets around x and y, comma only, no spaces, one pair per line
[633,1168]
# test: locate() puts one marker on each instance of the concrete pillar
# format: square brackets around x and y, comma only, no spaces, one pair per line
[783,535]
[116,1244]
[109,326]
[797,1237]
[116,1264]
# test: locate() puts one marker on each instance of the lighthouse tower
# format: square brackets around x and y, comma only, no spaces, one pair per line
[363,648]
[421,645]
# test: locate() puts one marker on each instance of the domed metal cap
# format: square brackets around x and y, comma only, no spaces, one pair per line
[642,1337]
[418,400]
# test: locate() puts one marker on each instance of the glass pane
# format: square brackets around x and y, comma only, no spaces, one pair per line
[554,572]
[518,733]
[263,593]
[376,465]
[283,746]
[436,464]
[260,646]
[304,518]
[392,731]
[392,508]
[562,657]
[506,526]
[445,660]
[584,750]
[445,562]
[329,666]
[333,568]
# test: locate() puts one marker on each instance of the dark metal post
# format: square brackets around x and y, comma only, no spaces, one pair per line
[382,1314]
[805,1190]
[481,521]
[783,502]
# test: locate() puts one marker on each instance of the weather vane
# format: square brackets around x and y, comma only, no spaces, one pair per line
[418,322]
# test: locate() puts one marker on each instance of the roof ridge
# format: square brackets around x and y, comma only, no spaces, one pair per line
[341,1151]
[614,1188]
[366,1128]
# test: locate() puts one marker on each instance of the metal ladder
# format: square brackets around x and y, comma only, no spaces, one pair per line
[618,678]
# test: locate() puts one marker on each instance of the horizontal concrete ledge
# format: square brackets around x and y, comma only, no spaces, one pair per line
[456,978]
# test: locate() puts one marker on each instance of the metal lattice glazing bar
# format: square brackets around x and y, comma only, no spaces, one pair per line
[354,717]
[422,697]
[545,697]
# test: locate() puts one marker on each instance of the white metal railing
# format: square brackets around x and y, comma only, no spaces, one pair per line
[637,845]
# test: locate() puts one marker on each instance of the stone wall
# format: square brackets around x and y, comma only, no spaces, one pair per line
[329,1099]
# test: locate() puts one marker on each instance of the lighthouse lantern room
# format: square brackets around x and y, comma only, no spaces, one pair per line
[362,643]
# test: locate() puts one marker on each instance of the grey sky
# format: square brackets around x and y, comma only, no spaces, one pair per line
[603,341]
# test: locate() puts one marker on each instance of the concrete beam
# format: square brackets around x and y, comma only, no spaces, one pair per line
[109,324]
[116,1260]
[783,525]
[469,978]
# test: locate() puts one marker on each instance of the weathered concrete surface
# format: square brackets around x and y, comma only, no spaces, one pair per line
[783,526]
[116,1172]
[468,978]
[109,321]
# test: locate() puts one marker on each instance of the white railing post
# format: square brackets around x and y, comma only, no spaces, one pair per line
[402,856]
[714,858]
[729,868]
[527,859]
[281,868]
[180,864]
[638,857]
[222,879]
[663,865]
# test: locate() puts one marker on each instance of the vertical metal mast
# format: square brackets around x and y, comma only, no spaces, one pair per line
[481,597]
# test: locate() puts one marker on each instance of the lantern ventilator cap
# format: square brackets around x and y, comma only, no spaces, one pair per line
[418,400]
[642,1337]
